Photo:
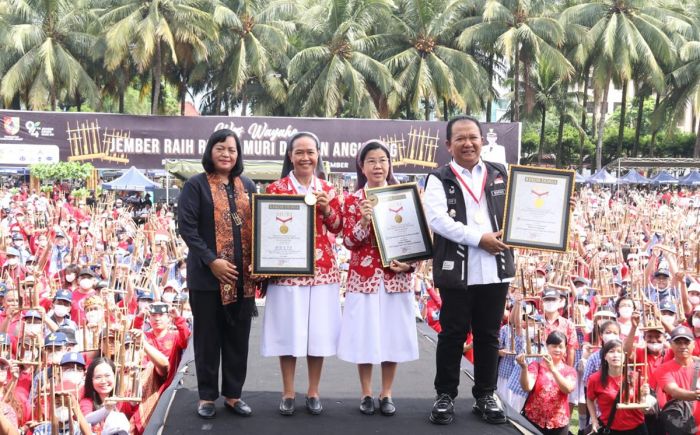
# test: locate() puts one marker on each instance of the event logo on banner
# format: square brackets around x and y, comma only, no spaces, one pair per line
[113,141]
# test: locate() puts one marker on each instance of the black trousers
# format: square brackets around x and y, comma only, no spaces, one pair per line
[216,340]
[479,309]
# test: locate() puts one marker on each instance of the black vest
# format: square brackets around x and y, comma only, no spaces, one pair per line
[450,258]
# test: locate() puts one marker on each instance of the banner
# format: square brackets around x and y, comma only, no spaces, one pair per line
[120,141]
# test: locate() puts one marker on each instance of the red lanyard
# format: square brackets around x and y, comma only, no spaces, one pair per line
[461,180]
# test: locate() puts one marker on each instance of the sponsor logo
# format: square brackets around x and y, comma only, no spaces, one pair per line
[11,125]
[35,129]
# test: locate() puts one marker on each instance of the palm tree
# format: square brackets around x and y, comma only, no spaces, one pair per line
[253,38]
[335,73]
[141,29]
[624,35]
[49,40]
[429,69]
[523,32]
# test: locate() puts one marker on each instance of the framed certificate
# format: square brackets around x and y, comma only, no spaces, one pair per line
[284,235]
[537,208]
[399,223]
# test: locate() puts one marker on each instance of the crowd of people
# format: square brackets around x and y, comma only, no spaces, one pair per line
[94,313]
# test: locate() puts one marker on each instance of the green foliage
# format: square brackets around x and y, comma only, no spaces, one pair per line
[61,171]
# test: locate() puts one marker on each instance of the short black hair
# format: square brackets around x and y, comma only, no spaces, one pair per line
[460,118]
[555,338]
[215,138]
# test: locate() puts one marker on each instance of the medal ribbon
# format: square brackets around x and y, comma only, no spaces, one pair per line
[284,221]
[464,183]
[538,193]
[397,210]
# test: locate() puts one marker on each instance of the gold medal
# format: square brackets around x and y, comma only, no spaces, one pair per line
[539,202]
[373,200]
[310,199]
[398,218]
[284,229]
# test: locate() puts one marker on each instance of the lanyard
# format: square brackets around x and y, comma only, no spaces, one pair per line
[464,183]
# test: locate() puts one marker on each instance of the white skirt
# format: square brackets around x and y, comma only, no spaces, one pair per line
[301,320]
[378,327]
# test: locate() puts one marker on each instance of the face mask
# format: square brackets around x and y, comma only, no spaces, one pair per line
[73,376]
[34,329]
[539,282]
[694,300]
[696,322]
[19,244]
[70,277]
[584,309]
[626,312]
[183,273]
[94,316]
[168,297]
[143,306]
[611,336]
[62,414]
[655,347]
[550,306]
[61,310]
[85,283]
[12,261]
[670,319]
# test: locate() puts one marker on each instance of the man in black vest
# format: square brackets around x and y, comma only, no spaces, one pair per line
[464,203]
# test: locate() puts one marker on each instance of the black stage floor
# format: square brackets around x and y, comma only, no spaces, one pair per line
[340,394]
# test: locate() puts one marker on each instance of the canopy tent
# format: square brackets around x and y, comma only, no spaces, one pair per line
[664,177]
[602,177]
[132,180]
[578,178]
[692,179]
[653,162]
[634,177]
[259,170]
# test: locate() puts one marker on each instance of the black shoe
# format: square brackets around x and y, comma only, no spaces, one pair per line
[206,410]
[386,407]
[313,405]
[488,408]
[367,405]
[443,410]
[287,406]
[241,408]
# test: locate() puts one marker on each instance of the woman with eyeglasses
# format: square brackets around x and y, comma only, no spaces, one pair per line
[379,325]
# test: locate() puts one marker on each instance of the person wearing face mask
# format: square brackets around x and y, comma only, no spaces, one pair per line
[540,279]
[662,287]
[624,307]
[86,288]
[33,324]
[73,373]
[93,322]
[610,330]
[60,314]
[553,321]
[19,244]
[690,296]
[667,311]
[61,248]
[13,270]
[170,292]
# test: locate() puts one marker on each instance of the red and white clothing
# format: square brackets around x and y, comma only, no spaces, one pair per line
[547,406]
[302,314]
[378,316]
[672,372]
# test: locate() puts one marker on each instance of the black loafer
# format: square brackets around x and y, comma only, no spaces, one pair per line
[489,409]
[386,407]
[240,408]
[287,406]
[367,405]
[443,410]
[313,405]
[206,410]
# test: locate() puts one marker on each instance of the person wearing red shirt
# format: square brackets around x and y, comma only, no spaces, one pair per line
[86,288]
[553,321]
[675,377]
[161,336]
[379,325]
[603,389]
[302,313]
[549,383]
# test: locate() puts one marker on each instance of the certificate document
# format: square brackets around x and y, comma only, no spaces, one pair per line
[537,208]
[283,235]
[399,223]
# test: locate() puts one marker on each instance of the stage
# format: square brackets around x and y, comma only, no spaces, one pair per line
[413,395]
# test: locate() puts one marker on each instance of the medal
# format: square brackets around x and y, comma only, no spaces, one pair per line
[284,228]
[373,200]
[479,218]
[452,213]
[397,216]
[310,199]
[539,201]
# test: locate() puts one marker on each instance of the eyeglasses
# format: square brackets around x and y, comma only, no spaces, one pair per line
[380,162]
